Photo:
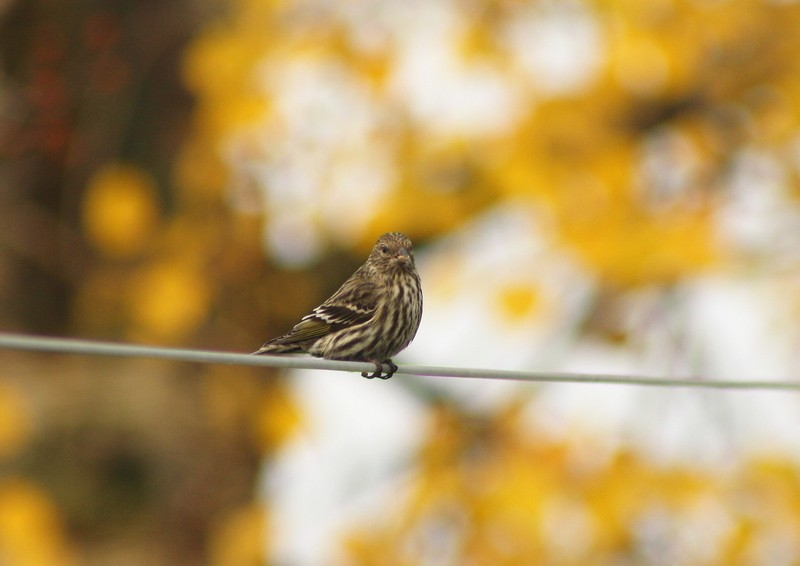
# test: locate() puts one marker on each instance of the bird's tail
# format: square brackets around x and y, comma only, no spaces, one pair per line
[277,348]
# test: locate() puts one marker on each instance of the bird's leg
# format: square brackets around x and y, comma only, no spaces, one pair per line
[373,375]
[379,370]
[392,369]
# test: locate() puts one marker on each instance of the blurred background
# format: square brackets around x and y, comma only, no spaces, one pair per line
[604,186]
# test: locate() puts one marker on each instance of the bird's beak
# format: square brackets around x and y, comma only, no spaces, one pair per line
[403,254]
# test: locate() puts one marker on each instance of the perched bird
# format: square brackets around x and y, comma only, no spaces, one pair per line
[373,315]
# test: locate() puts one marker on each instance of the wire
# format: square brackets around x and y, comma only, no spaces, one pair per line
[93,348]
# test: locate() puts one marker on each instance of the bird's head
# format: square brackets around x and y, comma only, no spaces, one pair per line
[393,251]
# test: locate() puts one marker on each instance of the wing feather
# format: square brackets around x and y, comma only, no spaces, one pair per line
[324,320]
[349,306]
[344,315]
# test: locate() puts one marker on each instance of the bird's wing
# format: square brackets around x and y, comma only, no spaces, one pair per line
[340,316]
[352,304]
[325,319]
[310,327]
[290,343]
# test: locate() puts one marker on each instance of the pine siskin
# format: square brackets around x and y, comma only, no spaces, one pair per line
[372,317]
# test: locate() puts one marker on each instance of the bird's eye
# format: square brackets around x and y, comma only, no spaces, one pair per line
[383,248]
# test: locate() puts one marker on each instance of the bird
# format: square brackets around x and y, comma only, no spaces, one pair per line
[374,314]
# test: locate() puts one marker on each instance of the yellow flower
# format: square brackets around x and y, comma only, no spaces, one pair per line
[167,300]
[120,212]
[239,538]
[31,533]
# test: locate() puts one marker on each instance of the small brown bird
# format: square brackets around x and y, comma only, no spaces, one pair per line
[373,316]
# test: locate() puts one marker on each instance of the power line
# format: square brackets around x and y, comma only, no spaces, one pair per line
[93,348]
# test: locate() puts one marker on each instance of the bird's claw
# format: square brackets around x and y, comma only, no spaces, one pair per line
[379,371]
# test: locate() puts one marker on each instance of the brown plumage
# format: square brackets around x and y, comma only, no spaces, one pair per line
[373,316]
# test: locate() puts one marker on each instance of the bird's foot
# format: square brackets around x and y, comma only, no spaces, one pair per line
[379,371]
